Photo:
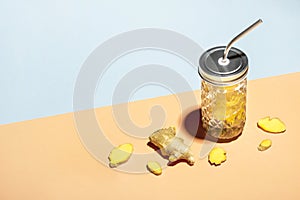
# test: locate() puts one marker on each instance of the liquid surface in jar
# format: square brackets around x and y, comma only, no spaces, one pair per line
[223,109]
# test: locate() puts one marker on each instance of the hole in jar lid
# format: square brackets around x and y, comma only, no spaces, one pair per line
[223,62]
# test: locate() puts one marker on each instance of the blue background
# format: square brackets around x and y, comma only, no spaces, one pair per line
[44,44]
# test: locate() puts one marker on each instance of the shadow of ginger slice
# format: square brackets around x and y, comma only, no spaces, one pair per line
[272,125]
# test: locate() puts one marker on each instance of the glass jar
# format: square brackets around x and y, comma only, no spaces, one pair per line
[223,92]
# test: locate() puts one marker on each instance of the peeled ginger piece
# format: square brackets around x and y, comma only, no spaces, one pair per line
[264,145]
[154,167]
[120,154]
[272,125]
[216,156]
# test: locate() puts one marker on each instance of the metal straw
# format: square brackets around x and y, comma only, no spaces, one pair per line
[247,30]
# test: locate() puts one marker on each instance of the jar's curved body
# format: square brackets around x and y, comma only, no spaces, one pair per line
[223,92]
[224,109]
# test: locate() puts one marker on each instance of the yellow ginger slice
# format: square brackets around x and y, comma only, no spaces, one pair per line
[154,167]
[272,125]
[120,154]
[264,145]
[216,156]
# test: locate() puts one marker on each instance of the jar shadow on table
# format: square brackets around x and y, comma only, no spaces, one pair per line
[192,122]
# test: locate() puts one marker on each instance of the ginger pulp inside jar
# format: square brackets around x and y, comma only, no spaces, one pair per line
[223,109]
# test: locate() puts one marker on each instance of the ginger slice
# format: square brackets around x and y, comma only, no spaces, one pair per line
[154,167]
[264,145]
[216,156]
[120,154]
[272,125]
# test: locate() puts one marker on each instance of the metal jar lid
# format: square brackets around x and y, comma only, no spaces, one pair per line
[212,69]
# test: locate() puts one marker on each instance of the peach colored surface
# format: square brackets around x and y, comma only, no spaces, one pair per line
[44,159]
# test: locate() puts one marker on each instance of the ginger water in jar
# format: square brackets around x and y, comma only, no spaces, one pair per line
[223,92]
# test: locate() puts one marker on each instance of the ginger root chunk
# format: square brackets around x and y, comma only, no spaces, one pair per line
[171,146]
[216,156]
